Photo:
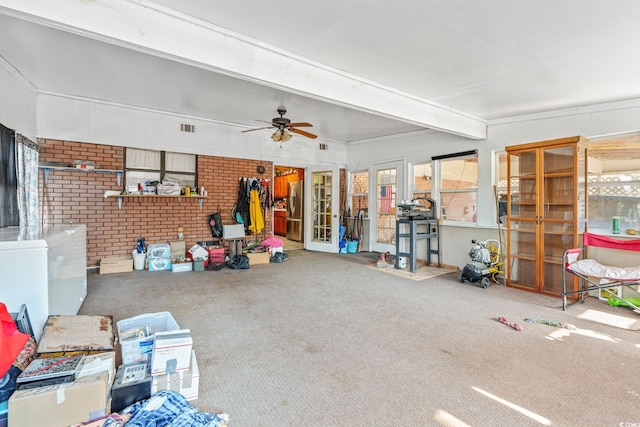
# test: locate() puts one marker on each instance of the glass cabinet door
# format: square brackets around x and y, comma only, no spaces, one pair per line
[556,214]
[522,214]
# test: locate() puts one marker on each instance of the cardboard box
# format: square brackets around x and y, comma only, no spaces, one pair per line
[137,347]
[85,399]
[258,258]
[95,363]
[183,382]
[235,231]
[171,352]
[66,335]
[178,249]
[116,265]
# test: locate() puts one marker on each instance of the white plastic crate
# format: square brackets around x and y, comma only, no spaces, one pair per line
[139,348]
[182,266]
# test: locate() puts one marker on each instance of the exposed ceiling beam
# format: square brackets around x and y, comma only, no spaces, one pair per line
[152,29]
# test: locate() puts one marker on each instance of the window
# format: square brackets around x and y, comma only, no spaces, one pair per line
[458,186]
[146,166]
[613,188]
[359,192]
[421,183]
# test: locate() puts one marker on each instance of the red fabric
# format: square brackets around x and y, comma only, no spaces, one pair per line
[597,240]
[11,340]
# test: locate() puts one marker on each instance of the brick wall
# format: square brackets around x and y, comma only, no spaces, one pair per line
[78,197]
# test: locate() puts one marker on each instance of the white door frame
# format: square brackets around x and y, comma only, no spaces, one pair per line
[332,246]
[399,166]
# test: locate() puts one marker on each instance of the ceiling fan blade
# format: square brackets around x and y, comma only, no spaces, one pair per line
[251,130]
[301,125]
[304,133]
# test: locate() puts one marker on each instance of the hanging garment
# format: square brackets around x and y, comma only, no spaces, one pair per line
[255,212]
[240,211]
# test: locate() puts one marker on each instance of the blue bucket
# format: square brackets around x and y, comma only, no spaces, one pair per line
[352,246]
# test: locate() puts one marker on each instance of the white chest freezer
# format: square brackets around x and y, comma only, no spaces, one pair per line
[44,269]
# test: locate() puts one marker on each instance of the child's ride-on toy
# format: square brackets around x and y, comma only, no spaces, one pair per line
[485,265]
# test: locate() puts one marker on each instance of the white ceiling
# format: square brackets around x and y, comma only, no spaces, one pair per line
[356,69]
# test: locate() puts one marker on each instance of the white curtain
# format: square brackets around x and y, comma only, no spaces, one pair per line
[180,162]
[143,159]
[28,154]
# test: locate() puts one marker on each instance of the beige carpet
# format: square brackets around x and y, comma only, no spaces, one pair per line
[324,340]
[421,273]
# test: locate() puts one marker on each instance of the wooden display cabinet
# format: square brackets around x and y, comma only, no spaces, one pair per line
[546,211]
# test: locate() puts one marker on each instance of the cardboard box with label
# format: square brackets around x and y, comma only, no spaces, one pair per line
[171,351]
[85,399]
[183,382]
[116,265]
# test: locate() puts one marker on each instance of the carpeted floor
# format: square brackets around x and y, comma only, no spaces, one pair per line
[324,340]
[421,273]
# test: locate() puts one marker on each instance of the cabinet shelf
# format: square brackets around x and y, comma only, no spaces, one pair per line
[120,197]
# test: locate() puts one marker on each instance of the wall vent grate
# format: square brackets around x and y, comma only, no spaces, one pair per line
[323,147]
[184,127]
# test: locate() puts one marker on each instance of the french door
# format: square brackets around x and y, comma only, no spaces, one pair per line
[387,186]
[322,199]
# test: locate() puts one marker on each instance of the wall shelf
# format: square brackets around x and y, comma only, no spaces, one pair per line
[120,197]
[47,168]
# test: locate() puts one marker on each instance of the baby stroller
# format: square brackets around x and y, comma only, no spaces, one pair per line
[485,265]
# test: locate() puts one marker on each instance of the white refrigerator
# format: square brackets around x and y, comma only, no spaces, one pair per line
[44,269]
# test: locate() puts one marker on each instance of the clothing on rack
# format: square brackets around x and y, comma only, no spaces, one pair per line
[255,212]
[254,196]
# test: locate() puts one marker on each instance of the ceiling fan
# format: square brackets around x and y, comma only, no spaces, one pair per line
[284,127]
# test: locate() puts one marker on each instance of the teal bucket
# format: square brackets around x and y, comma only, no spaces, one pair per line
[352,246]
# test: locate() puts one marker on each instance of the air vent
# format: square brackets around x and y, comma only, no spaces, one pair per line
[323,146]
[187,128]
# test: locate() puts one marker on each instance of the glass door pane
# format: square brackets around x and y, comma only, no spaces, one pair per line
[386,205]
[321,183]
[522,254]
[557,214]
[522,182]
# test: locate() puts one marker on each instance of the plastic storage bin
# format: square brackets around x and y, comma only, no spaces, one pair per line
[182,266]
[139,348]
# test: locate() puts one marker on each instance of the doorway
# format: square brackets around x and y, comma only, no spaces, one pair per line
[288,211]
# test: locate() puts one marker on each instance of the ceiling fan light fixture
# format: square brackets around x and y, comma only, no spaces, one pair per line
[285,136]
[277,135]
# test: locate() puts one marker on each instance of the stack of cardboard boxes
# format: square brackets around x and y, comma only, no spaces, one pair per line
[156,354]
[69,381]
